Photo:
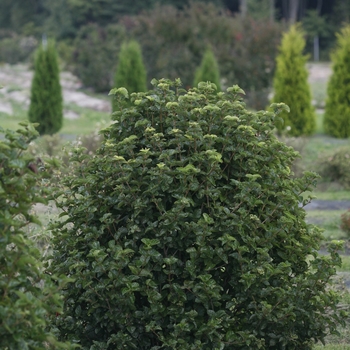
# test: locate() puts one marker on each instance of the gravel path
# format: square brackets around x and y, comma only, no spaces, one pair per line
[16,82]
[319,204]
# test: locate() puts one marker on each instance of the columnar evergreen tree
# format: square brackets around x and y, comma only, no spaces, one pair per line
[46,103]
[291,85]
[337,113]
[131,72]
[208,69]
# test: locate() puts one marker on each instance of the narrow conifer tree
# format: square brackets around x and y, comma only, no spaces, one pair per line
[291,85]
[208,70]
[46,102]
[131,72]
[337,113]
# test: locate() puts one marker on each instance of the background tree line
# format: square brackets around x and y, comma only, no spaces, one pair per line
[244,36]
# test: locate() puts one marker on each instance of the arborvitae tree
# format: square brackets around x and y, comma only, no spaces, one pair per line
[208,70]
[28,295]
[337,114]
[46,103]
[131,72]
[291,85]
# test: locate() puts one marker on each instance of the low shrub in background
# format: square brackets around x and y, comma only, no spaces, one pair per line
[345,222]
[15,48]
[28,295]
[185,231]
[335,166]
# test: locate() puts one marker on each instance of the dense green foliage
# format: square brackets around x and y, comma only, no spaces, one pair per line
[46,103]
[337,113]
[96,50]
[28,295]
[131,72]
[173,43]
[186,231]
[291,85]
[15,49]
[208,70]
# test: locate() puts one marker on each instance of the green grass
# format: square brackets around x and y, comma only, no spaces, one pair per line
[345,267]
[89,120]
[319,123]
[329,221]
[332,347]
[319,92]
[332,195]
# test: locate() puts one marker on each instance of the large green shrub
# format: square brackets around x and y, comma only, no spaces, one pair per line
[208,70]
[28,295]
[187,231]
[337,113]
[131,72]
[291,85]
[46,102]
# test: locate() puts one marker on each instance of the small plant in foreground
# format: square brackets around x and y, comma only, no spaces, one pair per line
[28,295]
[187,231]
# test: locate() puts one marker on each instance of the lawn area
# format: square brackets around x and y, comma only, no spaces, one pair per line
[89,120]
[333,347]
[329,221]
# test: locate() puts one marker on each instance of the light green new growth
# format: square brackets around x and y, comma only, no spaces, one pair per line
[337,113]
[291,85]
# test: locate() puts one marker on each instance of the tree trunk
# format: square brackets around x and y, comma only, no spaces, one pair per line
[316,49]
[293,11]
[243,7]
[272,10]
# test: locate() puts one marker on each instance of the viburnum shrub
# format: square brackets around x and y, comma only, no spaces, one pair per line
[28,295]
[187,231]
